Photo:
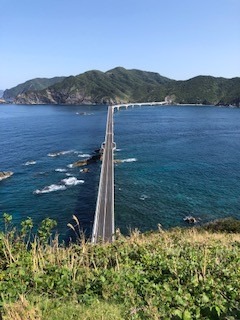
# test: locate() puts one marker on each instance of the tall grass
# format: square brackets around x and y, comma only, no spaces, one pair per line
[176,274]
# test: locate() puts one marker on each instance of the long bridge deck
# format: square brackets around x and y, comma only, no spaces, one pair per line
[103,228]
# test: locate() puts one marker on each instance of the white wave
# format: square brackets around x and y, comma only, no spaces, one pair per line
[70,165]
[60,170]
[68,174]
[31,162]
[129,160]
[143,197]
[60,153]
[51,188]
[84,155]
[118,150]
[72,181]
[67,152]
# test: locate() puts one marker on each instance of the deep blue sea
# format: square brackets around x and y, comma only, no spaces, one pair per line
[177,161]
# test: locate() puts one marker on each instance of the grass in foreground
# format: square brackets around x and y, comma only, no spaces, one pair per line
[178,274]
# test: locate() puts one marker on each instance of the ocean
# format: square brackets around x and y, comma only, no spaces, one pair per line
[176,161]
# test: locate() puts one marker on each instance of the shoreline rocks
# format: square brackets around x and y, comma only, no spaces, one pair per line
[191,219]
[5,174]
[94,158]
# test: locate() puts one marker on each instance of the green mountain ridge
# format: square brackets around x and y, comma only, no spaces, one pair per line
[120,85]
[30,85]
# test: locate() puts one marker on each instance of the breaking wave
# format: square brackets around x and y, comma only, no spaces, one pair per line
[143,197]
[84,155]
[60,153]
[31,162]
[72,181]
[60,170]
[51,188]
[129,160]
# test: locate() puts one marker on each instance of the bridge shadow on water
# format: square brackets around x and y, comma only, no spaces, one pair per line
[85,205]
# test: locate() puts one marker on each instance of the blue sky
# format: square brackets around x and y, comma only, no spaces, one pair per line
[179,39]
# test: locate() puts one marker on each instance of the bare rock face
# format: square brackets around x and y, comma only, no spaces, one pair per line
[80,163]
[5,174]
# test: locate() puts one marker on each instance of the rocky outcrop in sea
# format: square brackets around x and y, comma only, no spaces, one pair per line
[94,158]
[5,174]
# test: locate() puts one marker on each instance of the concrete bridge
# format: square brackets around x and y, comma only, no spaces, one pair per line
[103,227]
[126,105]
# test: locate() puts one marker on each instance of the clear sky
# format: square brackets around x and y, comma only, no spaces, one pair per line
[179,39]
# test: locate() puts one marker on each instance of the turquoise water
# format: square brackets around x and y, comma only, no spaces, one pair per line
[188,163]
[32,133]
[177,161]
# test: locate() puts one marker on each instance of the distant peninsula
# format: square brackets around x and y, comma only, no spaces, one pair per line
[120,85]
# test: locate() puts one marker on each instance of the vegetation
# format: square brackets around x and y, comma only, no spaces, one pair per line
[120,85]
[30,85]
[176,274]
[229,225]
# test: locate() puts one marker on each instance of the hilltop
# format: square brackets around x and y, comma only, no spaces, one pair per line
[120,85]
[30,85]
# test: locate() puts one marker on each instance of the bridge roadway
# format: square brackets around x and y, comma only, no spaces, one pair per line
[103,228]
[140,104]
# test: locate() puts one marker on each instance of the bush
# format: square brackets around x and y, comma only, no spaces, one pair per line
[229,225]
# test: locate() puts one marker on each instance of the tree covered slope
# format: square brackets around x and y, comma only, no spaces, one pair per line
[121,86]
[30,85]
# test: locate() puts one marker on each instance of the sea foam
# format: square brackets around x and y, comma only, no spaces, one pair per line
[60,153]
[31,162]
[60,170]
[84,155]
[129,160]
[143,197]
[72,181]
[68,174]
[51,188]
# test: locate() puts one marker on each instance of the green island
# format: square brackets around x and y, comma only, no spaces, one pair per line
[120,85]
[183,273]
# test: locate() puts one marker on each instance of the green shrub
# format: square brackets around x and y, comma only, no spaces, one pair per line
[177,274]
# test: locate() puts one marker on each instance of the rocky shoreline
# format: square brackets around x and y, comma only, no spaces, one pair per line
[94,158]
